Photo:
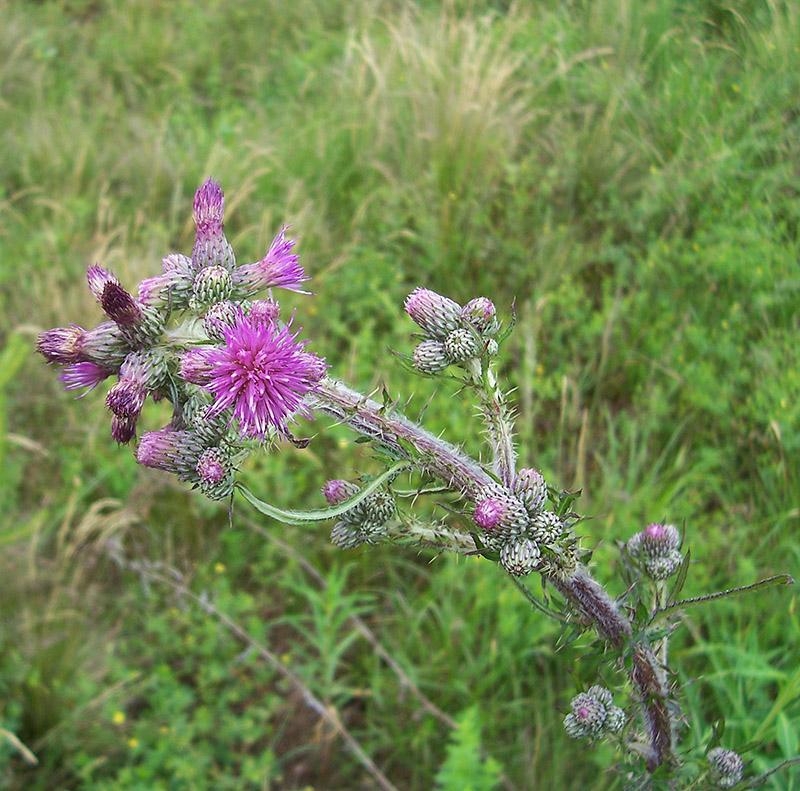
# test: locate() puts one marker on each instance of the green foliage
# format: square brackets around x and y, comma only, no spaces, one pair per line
[464,768]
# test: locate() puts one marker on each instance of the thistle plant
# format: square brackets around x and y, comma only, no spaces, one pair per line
[206,337]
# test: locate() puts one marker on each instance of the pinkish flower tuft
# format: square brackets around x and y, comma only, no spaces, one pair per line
[209,208]
[437,315]
[261,372]
[489,513]
[62,344]
[84,374]
[279,268]
[337,491]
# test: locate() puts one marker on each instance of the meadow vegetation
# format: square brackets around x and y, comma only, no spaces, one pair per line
[625,174]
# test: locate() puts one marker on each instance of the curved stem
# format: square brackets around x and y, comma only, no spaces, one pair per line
[460,472]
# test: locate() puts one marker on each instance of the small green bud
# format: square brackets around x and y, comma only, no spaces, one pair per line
[520,557]
[430,358]
[462,345]
[725,767]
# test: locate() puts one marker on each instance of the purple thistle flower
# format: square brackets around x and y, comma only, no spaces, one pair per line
[84,374]
[62,344]
[261,372]
[279,268]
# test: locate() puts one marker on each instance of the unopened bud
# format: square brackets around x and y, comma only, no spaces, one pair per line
[520,557]
[481,313]
[462,344]
[216,473]
[212,284]
[437,315]
[430,358]
[346,536]
[725,767]
[337,491]
[547,527]
[530,487]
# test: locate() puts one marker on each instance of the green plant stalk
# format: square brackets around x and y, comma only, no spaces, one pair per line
[497,417]
[462,473]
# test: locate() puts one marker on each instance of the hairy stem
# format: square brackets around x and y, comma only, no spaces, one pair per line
[460,472]
[497,417]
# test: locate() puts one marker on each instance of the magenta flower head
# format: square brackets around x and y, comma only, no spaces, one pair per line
[437,315]
[261,373]
[83,374]
[489,513]
[210,245]
[279,268]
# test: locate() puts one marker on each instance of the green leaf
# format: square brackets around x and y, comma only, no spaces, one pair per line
[290,517]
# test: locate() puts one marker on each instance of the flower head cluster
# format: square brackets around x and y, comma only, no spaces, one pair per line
[366,521]
[515,523]
[454,334]
[592,715]
[194,335]
[657,550]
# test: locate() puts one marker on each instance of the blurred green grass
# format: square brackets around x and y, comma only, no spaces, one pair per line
[626,172]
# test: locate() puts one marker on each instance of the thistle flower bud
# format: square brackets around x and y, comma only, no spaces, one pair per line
[601,693]
[174,451]
[615,721]
[195,368]
[725,767]
[529,485]
[435,314]
[105,345]
[61,345]
[279,268]
[118,304]
[656,549]
[346,536]
[171,289]
[481,314]
[461,344]
[212,284]
[219,317]
[588,716]
[430,358]
[216,473]
[501,516]
[378,507]
[658,540]
[210,245]
[663,567]
[337,491]
[547,527]
[520,557]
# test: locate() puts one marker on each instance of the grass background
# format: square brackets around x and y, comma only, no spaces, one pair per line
[625,171]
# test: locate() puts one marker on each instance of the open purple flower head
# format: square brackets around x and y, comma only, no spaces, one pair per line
[261,373]
[279,268]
